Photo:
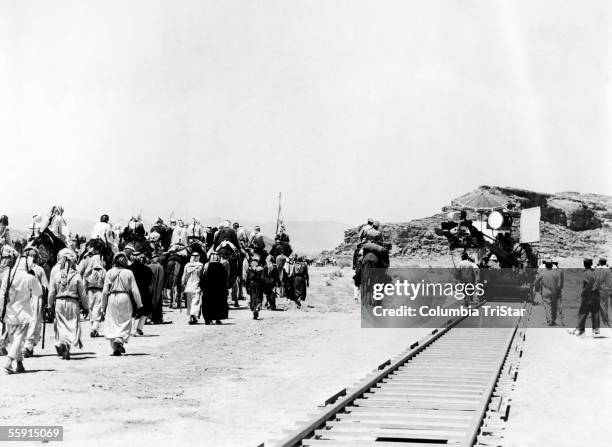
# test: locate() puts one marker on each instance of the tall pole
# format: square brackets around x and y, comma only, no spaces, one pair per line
[279,212]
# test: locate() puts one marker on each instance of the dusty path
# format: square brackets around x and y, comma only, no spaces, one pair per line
[237,384]
[563,394]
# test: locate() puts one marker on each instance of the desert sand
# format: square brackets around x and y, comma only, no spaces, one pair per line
[247,381]
[238,384]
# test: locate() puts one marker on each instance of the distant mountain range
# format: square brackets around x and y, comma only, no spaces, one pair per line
[307,237]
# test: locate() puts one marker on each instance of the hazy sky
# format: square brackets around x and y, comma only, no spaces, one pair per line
[351,108]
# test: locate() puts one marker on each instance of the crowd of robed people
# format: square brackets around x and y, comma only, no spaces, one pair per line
[123,276]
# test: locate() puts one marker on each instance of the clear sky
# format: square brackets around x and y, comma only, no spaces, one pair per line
[351,108]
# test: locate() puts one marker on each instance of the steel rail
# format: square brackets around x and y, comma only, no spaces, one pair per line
[369,388]
[296,438]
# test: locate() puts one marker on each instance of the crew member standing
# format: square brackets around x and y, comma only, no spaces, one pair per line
[604,286]
[589,300]
[548,283]
[467,271]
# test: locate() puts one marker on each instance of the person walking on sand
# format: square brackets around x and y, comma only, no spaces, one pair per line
[255,285]
[589,300]
[19,289]
[301,280]
[93,272]
[192,275]
[604,286]
[271,280]
[548,283]
[157,291]
[214,289]
[119,297]
[30,259]
[144,281]
[68,296]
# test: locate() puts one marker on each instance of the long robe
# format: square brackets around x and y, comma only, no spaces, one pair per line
[255,287]
[19,312]
[157,291]
[300,280]
[144,281]
[214,288]
[67,292]
[119,290]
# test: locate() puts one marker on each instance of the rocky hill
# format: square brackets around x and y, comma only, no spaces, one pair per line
[572,225]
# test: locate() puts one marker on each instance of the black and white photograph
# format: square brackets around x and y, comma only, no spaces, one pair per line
[306,223]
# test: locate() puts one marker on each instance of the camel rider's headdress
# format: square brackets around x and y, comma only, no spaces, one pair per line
[120,259]
[9,252]
[66,254]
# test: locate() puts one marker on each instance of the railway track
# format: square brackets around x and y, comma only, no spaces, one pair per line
[437,393]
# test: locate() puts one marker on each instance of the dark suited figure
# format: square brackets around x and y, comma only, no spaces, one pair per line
[548,282]
[589,303]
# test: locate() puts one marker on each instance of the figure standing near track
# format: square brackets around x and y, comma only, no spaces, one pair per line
[548,283]
[589,300]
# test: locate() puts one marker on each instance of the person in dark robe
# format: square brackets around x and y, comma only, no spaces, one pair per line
[288,281]
[164,233]
[214,288]
[271,280]
[157,290]
[173,273]
[133,232]
[210,237]
[144,282]
[589,303]
[226,233]
[301,280]
[280,261]
[255,286]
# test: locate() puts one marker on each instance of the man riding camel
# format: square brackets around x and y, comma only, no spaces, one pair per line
[195,231]
[102,230]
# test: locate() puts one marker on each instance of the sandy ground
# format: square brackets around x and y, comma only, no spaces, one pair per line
[563,394]
[249,381]
[240,384]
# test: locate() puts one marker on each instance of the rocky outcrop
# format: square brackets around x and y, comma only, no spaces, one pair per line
[576,211]
[573,224]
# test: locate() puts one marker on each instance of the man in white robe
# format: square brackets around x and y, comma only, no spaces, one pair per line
[192,275]
[34,331]
[17,311]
